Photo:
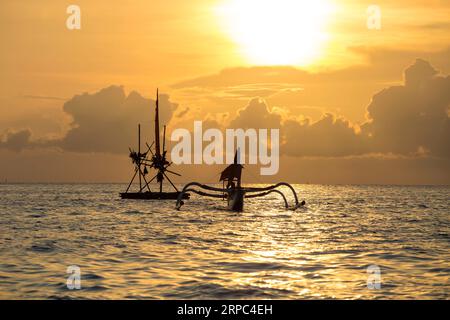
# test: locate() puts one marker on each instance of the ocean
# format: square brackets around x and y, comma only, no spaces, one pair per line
[127,249]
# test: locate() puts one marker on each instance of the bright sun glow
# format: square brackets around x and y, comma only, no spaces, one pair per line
[277,32]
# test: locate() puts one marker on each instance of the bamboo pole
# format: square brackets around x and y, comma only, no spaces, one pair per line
[132,179]
[164,140]
[139,156]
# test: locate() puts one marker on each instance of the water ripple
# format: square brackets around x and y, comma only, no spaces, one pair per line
[148,250]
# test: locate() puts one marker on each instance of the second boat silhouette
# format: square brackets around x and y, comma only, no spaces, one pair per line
[157,163]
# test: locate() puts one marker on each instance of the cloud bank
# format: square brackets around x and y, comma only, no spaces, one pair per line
[411,119]
[102,122]
[16,141]
[106,121]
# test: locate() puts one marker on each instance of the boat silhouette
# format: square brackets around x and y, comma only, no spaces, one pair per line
[152,160]
[234,192]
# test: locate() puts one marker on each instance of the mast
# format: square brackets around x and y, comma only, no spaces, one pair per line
[159,156]
[139,156]
[164,141]
[233,172]
[157,144]
[158,162]
[237,163]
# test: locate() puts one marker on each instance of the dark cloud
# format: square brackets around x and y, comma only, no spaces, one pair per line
[16,141]
[387,64]
[34,97]
[256,115]
[384,64]
[107,121]
[102,122]
[234,77]
[405,120]
[183,113]
[409,120]
[328,137]
[413,117]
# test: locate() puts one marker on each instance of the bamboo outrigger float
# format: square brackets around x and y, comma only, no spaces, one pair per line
[158,162]
[234,193]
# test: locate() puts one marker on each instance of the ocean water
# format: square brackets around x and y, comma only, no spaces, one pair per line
[147,250]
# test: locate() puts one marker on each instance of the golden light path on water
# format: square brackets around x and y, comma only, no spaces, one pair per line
[146,250]
[277,32]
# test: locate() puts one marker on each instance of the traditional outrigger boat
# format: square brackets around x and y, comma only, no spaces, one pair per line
[157,162]
[233,191]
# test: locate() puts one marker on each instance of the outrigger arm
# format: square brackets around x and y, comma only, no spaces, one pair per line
[262,192]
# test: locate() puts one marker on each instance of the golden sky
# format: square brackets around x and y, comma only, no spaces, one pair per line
[307,60]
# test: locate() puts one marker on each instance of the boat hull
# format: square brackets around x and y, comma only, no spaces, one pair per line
[236,200]
[153,195]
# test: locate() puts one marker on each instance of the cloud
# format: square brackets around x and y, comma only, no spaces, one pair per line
[16,141]
[256,115]
[328,137]
[407,120]
[102,122]
[106,121]
[34,97]
[183,113]
[382,64]
[414,116]
[345,92]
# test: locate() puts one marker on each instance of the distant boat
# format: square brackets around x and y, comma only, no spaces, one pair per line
[157,162]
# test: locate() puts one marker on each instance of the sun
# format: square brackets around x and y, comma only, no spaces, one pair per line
[277,32]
